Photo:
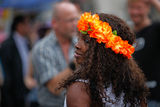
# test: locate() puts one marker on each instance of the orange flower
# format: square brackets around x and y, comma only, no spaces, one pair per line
[102,31]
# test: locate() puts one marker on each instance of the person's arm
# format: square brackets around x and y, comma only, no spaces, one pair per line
[1,76]
[46,70]
[156,4]
[30,82]
[61,77]
[77,95]
[144,103]
[54,84]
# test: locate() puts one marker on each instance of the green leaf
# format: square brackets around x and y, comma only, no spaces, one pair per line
[89,30]
[115,32]
[83,32]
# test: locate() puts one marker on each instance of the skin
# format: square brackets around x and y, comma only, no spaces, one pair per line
[155,3]
[65,20]
[24,28]
[77,94]
[64,24]
[30,82]
[81,48]
[138,11]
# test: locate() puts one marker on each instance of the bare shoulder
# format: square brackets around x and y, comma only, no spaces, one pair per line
[77,95]
[144,103]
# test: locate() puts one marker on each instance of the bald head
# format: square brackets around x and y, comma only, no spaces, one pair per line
[63,7]
[65,19]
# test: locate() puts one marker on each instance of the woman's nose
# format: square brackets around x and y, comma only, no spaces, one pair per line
[77,45]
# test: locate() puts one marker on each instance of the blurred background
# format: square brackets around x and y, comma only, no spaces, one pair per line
[40,14]
[40,11]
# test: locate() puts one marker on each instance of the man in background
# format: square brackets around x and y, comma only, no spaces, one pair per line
[51,56]
[14,57]
[147,45]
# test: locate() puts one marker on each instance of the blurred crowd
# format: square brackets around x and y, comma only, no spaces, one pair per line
[35,57]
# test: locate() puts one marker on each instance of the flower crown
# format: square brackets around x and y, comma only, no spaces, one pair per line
[102,31]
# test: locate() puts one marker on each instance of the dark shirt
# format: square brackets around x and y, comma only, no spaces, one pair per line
[147,56]
[13,90]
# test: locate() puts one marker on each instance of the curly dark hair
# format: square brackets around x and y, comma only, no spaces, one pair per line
[103,67]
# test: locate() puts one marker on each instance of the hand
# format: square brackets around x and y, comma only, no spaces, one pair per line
[154,2]
[30,83]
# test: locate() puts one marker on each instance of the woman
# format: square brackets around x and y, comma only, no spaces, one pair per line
[106,76]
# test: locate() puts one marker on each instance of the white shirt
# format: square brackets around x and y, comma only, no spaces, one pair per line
[110,94]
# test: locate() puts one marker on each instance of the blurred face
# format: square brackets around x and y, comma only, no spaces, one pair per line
[81,48]
[24,28]
[138,11]
[66,21]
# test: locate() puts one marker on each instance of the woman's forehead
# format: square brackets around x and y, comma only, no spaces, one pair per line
[84,36]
